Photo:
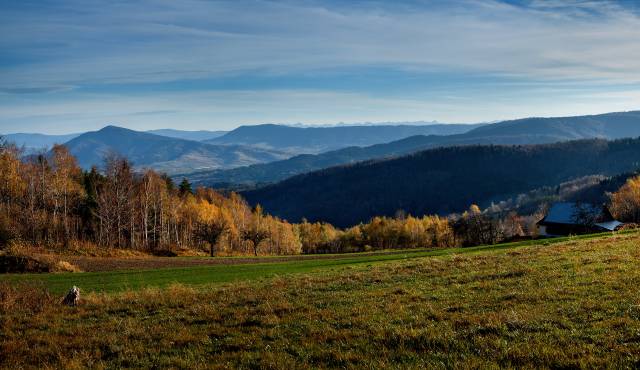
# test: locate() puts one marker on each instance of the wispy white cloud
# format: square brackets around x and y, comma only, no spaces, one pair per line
[88,44]
[151,41]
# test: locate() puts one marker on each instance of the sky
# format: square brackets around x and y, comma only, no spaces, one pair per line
[76,65]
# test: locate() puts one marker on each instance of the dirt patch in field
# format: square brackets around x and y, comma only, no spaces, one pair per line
[92,264]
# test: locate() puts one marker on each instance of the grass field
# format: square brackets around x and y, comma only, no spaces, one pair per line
[229,271]
[567,304]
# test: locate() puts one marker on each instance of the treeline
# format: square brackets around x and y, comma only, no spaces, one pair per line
[47,200]
[380,233]
[625,203]
[472,227]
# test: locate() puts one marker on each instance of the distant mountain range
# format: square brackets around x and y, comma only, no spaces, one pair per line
[165,154]
[35,142]
[44,142]
[293,139]
[309,140]
[442,180]
[263,154]
[179,151]
[522,131]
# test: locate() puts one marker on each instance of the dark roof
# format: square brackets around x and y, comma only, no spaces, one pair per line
[565,213]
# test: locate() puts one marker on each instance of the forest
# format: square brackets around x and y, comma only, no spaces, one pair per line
[443,180]
[48,200]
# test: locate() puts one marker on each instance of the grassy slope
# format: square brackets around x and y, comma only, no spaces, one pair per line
[113,281]
[566,305]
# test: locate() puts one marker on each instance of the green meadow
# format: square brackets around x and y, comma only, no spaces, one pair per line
[122,280]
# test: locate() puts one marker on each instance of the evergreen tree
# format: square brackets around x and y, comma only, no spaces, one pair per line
[185,187]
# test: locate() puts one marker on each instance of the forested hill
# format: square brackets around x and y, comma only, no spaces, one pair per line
[442,180]
[522,131]
[615,125]
[279,170]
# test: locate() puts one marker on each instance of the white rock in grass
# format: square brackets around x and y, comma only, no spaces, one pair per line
[72,298]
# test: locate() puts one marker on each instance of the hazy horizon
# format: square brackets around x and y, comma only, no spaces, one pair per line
[298,124]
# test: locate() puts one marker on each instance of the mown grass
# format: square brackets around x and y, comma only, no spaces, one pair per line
[114,281]
[573,304]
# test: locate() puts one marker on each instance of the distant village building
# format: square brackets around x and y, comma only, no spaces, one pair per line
[576,218]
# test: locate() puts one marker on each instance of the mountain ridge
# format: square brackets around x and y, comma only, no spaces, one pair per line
[161,153]
[522,131]
[195,135]
[313,140]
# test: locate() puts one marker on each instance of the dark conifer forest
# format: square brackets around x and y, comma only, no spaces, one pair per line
[440,181]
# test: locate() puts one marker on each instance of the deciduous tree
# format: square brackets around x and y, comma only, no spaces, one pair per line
[625,203]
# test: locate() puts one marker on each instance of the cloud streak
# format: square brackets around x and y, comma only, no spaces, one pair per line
[99,44]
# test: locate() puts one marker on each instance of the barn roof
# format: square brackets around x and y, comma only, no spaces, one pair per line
[610,225]
[565,213]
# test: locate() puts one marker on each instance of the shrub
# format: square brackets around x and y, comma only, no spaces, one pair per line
[18,260]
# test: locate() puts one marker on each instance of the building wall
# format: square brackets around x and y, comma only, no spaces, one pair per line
[563,230]
[542,230]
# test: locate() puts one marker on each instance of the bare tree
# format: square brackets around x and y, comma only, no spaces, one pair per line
[115,205]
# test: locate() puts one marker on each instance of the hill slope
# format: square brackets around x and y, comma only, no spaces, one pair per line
[523,131]
[162,153]
[33,142]
[199,135]
[279,170]
[607,126]
[321,139]
[440,180]
[566,305]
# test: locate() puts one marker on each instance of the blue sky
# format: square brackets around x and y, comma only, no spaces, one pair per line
[77,65]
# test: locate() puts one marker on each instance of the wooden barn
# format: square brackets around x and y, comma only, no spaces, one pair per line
[575,218]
